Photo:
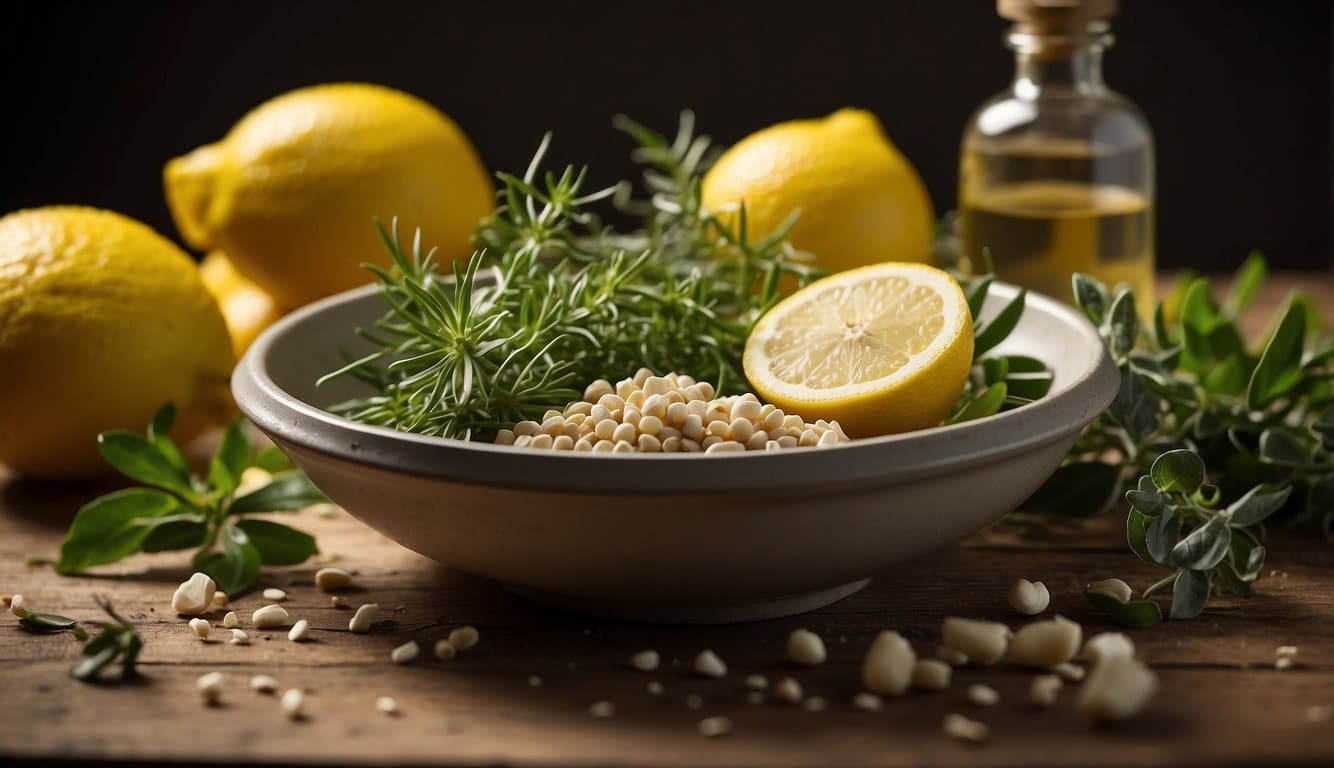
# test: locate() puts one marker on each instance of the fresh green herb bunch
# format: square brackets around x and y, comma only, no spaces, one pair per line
[117,641]
[1190,382]
[570,301]
[184,511]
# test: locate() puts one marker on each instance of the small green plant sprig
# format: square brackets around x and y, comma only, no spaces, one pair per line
[1176,521]
[996,382]
[47,623]
[181,510]
[117,641]
[1188,381]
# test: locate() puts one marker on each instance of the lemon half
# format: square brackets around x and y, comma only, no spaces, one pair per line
[882,349]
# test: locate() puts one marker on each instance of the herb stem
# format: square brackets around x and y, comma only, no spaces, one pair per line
[1157,585]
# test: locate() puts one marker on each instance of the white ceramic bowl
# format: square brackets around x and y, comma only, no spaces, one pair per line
[684,537]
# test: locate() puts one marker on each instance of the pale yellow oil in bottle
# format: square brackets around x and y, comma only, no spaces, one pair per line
[1037,233]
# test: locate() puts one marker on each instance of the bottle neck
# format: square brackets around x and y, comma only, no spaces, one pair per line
[1048,61]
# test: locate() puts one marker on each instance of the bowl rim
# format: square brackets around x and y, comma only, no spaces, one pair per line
[862,463]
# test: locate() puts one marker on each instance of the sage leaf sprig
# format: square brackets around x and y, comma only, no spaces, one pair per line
[1177,521]
[117,641]
[176,509]
[47,623]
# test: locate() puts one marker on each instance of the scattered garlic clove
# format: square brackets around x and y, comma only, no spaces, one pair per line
[299,631]
[201,628]
[655,688]
[889,663]
[708,664]
[1114,588]
[1046,643]
[806,648]
[787,691]
[1117,689]
[756,682]
[1070,672]
[275,594]
[444,650]
[231,620]
[263,684]
[1043,690]
[1289,651]
[1105,645]
[602,710]
[405,653]
[361,621]
[16,605]
[951,656]
[330,579]
[270,617]
[931,675]
[464,638]
[815,704]
[983,642]
[220,599]
[1029,597]
[868,702]
[209,687]
[534,681]
[957,726]
[712,727]
[387,705]
[645,661]
[983,695]
[239,637]
[194,596]
[694,701]
[294,703]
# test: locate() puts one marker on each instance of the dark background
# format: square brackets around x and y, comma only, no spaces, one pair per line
[97,95]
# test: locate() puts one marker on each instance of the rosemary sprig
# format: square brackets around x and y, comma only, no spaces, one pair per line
[570,301]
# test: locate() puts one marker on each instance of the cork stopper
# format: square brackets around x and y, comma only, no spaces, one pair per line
[1056,14]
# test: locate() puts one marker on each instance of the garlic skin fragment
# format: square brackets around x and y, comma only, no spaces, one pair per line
[708,664]
[983,642]
[193,597]
[1046,643]
[1116,589]
[889,663]
[806,648]
[1029,597]
[1118,688]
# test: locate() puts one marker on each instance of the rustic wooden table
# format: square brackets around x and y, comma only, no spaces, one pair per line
[522,695]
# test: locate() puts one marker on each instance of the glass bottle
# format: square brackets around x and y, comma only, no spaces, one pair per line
[1056,173]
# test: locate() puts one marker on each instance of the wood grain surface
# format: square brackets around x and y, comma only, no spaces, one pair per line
[1221,699]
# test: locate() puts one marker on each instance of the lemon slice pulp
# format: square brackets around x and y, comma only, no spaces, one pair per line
[882,349]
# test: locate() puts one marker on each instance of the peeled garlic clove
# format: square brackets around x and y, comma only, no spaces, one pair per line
[1114,588]
[1117,689]
[1029,597]
[195,595]
[1046,643]
[983,642]
[888,666]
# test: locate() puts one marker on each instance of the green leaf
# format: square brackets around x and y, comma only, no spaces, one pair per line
[1323,428]
[995,369]
[1231,581]
[1078,489]
[230,460]
[273,460]
[278,544]
[1204,547]
[138,459]
[1000,326]
[286,493]
[162,421]
[1227,378]
[1250,276]
[1162,336]
[44,623]
[1281,447]
[1246,555]
[1319,509]
[1123,323]
[1135,408]
[1207,495]
[157,435]
[112,527]
[1162,535]
[1258,503]
[1136,525]
[236,567]
[175,534]
[986,404]
[1150,502]
[1279,368]
[1134,614]
[1189,594]
[976,294]
[1090,296]
[1178,471]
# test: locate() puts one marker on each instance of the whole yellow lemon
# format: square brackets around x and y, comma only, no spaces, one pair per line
[246,307]
[861,201]
[102,321]
[290,193]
